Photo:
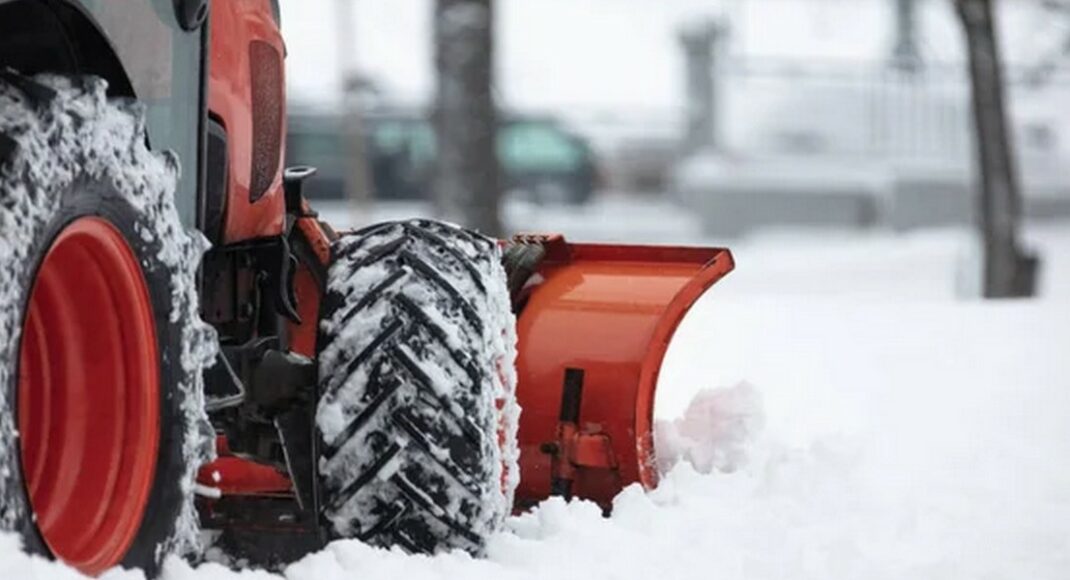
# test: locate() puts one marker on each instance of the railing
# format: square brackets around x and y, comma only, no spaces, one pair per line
[864,110]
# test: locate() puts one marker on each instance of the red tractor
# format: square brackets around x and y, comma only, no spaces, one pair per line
[296,384]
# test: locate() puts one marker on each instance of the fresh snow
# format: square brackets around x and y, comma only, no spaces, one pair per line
[841,414]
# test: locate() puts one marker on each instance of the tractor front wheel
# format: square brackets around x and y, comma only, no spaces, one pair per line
[417,406]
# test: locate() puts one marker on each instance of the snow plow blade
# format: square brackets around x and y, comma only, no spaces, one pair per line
[593,327]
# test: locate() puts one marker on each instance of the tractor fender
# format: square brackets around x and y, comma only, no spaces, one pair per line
[60,37]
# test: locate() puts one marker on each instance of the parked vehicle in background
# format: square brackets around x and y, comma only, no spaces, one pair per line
[542,160]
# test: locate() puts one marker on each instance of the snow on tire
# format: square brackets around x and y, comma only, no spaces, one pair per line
[417,408]
[68,156]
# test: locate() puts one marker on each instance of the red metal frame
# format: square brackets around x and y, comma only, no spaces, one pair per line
[234,25]
[610,310]
[233,475]
[89,396]
[303,335]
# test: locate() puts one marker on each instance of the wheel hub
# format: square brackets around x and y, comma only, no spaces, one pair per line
[89,396]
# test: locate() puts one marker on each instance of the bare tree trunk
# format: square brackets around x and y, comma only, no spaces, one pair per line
[466,184]
[1008,271]
[357,183]
[701,44]
[905,54]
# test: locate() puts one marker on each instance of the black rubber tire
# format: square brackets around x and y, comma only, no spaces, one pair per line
[67,152]
[417,388]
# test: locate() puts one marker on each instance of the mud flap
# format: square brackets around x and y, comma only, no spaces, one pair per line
[593,328]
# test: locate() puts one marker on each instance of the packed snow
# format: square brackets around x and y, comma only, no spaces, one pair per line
[839,410]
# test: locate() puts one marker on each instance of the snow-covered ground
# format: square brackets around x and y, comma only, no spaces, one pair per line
[861,422]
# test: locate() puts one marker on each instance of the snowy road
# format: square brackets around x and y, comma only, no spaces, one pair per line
[888,431]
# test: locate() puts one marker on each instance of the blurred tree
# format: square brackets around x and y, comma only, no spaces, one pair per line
[1008,270]
[905,53]
[466,185]
[701,41]
[358,188]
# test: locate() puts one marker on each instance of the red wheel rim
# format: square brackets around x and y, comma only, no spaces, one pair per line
[89,396]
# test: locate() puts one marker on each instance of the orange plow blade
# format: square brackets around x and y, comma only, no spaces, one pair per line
[592,335]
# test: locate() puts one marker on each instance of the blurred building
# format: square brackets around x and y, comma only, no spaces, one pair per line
[867,146]
[862,141]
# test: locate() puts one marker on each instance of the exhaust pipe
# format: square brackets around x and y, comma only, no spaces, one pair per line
[593,326]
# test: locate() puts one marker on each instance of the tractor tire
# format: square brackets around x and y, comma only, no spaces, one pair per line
[102,422]
[417,410]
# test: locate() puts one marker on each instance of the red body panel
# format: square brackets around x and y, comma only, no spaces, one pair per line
[235,24]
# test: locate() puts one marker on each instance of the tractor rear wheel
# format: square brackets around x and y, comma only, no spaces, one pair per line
[417,407]
[102,420]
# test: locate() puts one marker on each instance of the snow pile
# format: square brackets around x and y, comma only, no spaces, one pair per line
[14,563]
[714,432]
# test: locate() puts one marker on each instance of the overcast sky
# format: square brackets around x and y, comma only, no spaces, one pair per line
[613,54]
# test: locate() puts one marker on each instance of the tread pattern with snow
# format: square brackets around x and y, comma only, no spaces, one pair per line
[416,357]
